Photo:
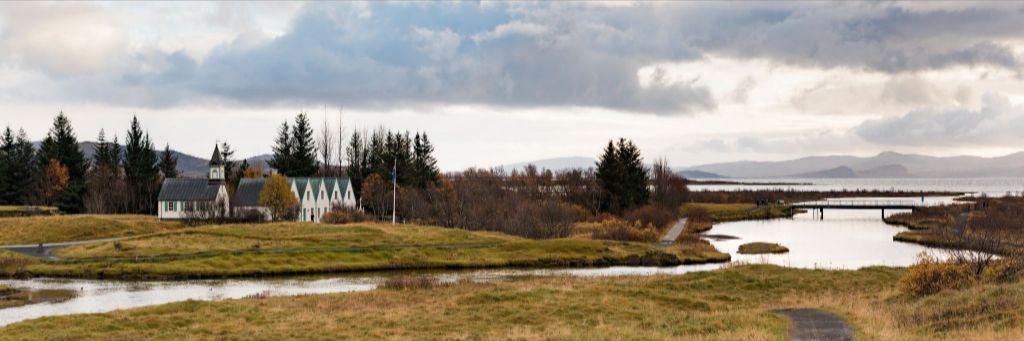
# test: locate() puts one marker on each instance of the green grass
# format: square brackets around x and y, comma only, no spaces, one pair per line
[762,247]
[51,229]
[298,248]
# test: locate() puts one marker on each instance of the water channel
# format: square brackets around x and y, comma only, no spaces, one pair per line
[845,239]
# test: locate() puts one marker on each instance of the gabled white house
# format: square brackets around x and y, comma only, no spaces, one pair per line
[316,196]
[183,198]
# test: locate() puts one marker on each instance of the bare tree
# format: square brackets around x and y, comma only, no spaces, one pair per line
[326,144]
[341,141]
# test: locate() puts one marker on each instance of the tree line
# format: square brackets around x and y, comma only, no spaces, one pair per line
[117,179]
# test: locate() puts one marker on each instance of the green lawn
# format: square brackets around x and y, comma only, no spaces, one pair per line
[729,304]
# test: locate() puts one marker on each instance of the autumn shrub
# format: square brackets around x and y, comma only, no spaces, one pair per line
[621,230]
[343,215]
[654,215]
[930,276]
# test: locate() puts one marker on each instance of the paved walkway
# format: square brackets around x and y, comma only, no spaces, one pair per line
[673,233]
[814,324]
[45,250]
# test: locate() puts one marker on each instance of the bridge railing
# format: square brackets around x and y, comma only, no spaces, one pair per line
[857,203]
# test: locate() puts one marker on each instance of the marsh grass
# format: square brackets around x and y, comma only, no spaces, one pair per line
[762,248]
[295,248]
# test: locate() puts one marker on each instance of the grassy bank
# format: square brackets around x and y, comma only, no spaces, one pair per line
[12,297]
[51,229]
[702,216]
[728,304]
[297,248]
[762,248]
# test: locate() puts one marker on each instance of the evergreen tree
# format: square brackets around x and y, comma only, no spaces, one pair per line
[140,168]
[356,155]
[231,174]
[107,153]
[168,163]
[282,160]
[424,164]
[61,145]
[635,179]
[304,158]
[6,150]
[22,169]
[609,172]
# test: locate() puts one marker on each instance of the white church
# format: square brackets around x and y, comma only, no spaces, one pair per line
[182,198]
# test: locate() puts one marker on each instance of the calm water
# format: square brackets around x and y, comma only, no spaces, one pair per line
[988,186]
[843,240]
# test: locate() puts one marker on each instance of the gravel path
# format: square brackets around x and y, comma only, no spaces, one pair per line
[673,233]
[45,250]
[814,324]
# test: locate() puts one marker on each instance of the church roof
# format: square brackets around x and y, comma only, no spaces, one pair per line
[185,189]
[216,159]
[248,192]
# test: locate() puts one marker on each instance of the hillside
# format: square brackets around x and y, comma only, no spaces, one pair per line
[887,164]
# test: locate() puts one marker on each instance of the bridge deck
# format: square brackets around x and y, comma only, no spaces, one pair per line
[860,204]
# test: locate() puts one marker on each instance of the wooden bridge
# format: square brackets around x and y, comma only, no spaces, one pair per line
[882,205]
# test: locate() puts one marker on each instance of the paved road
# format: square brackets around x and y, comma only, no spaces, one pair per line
[673,233]
[45,251]
[814,324]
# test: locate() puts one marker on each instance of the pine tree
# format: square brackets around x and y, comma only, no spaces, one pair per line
[424,164]
[21,170]
[6,150]
[168,163]
[282,160]
[61,145]
[140,168]
[355,155]
[230,173]
[609,172]
[107,153]
[634,179]
[304,155]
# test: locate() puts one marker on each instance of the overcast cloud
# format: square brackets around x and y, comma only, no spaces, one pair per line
[736,78]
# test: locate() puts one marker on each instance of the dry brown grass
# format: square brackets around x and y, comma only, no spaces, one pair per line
[51,229]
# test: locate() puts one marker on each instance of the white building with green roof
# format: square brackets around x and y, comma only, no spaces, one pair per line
[316,196]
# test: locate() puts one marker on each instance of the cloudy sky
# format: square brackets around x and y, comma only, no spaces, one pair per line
[495,83]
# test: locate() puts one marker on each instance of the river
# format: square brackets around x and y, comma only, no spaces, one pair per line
[843,240]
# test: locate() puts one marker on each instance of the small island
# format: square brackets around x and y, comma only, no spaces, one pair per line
[762,248]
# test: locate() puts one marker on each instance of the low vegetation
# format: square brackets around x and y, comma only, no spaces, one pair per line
[936,217]
[701,216]
[26,211]
[295,248]
[729,304]
[51,229]
[762,248]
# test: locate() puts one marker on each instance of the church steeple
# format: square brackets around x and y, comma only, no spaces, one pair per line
[216,165]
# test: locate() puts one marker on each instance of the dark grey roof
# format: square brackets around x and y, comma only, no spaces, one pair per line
[248,192]
[184,189]
[216,159]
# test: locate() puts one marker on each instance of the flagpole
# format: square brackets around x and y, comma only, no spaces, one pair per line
[394,191]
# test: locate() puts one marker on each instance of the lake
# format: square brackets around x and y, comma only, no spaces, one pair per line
[977,186]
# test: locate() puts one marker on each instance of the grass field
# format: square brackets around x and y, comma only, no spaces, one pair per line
[762,247]
[51,229]
[728,304]
[298,248]
[703,215]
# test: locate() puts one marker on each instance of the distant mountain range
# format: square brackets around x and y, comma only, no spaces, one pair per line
[883,165]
